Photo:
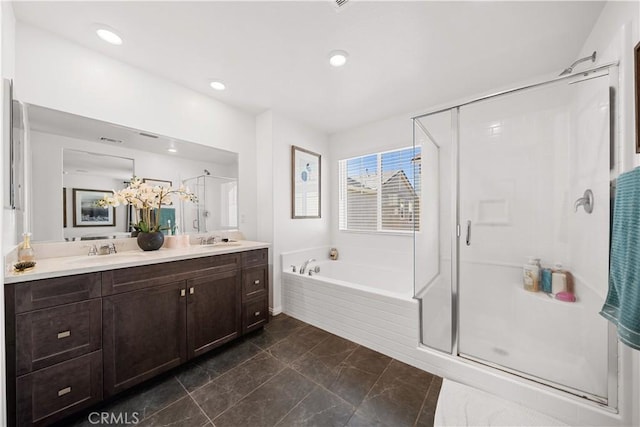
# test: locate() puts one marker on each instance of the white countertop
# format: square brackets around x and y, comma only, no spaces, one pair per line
[69,265]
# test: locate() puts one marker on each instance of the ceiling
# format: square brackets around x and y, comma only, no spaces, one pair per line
[403,56]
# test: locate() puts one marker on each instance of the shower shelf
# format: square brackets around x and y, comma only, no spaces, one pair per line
[550,299]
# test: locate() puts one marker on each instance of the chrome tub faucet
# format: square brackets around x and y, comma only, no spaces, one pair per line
[306,263]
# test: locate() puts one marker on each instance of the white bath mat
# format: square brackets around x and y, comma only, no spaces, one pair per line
[461,405]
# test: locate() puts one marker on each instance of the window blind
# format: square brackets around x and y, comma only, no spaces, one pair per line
[380,191]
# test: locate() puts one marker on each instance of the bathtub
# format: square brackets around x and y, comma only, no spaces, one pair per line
[368,279]
[370,305]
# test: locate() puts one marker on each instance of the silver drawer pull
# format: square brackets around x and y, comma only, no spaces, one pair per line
[257,313]
[191,291]
[256,282]
[64,391]
[64,334]
[183,292]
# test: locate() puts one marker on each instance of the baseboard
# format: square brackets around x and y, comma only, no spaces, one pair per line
[275,310]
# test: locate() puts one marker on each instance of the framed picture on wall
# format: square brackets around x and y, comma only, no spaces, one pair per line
[86,213]
[636,57]
[305,183]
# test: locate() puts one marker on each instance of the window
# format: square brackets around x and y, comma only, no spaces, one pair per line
[381,191]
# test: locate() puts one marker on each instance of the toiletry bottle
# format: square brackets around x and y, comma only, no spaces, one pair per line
[333,254]
[545,282]
[531,275]
[26,252]
[558,279]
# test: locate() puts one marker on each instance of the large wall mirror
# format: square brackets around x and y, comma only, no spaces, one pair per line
[74,159]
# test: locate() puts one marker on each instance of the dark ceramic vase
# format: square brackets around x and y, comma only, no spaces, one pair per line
[150,241]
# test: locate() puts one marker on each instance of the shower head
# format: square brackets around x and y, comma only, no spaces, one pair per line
[569,70]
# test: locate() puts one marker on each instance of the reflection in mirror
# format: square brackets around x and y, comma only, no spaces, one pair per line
[70,151]
[95,174]
[217,206]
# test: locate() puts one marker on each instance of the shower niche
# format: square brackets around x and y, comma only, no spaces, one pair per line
[217,205]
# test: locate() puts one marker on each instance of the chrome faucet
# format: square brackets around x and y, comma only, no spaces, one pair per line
[109,248]
[306,263]
[208,240]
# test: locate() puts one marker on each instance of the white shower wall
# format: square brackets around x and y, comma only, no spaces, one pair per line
[524,160]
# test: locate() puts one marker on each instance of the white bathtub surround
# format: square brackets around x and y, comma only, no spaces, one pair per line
[461,405]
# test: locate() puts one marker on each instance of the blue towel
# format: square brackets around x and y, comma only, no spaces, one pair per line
[622,306]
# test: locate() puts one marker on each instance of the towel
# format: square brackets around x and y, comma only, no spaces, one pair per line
[622,306]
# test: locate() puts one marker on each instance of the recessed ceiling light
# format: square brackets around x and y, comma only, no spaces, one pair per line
[338,58]
[109,36]
[172,150]
[217,85]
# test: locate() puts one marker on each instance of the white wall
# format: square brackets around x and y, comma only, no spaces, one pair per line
[281,133]
[383,135]
[264,193]
[80,81]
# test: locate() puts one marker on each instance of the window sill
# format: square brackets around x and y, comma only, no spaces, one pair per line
[381,232]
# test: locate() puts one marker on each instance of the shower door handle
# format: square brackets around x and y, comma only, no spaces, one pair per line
[468,233]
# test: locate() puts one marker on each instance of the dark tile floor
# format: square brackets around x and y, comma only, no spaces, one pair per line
[289,374]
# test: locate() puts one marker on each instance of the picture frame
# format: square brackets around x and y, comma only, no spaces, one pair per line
[154,182]
[306,189]
[64,207]
[87,214]
[636,61]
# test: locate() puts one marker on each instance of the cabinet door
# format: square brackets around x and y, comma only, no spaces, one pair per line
[213,311]
[143,334]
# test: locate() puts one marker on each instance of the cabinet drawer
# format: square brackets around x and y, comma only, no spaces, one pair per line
[53,335]
[254,258]
[52,393]
[254,281]
[51,292]
[254,314]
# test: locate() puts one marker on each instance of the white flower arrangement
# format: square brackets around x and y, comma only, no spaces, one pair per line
[144,199]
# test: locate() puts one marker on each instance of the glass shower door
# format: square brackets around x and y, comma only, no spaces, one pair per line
[524,160]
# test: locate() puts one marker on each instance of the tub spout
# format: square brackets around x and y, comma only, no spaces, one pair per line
[304,266]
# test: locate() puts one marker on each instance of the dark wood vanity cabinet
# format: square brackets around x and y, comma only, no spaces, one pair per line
[255,289]
[72,341]
[54,342]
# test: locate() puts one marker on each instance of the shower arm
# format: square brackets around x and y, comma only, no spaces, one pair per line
[569,70]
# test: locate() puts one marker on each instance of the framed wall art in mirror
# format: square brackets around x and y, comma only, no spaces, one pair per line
[86,213]
[305,183]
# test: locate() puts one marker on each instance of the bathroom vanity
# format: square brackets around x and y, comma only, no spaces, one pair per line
[78,335]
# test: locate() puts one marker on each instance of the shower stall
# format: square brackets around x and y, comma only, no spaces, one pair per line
[500,179]
[217,205]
